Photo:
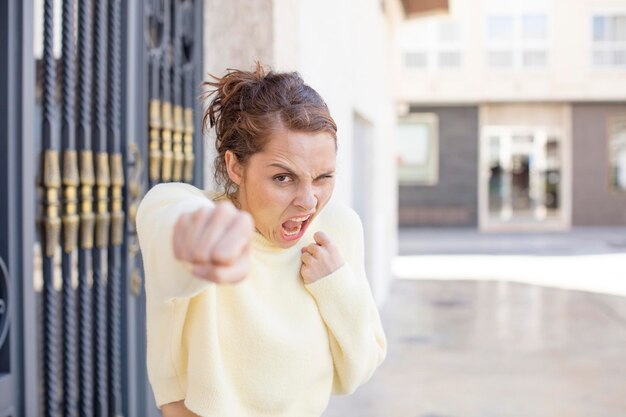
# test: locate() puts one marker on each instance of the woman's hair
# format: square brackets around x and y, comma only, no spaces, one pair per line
[246,107]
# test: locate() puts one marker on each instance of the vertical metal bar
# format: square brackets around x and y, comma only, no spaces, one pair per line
[178,125]
[100,263]
[87,181]
[188,132]
[154,35]
[13,349]
[134,120]
[166,91]
[188,40]
[28,319]
[117,215]
[198,30]
[154,120]
[51,221]
[70,218]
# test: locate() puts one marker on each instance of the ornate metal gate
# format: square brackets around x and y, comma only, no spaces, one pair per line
[100,105]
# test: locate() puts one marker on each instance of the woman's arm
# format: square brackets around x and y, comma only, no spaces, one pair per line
[166,275]
[357,341]
[179,229]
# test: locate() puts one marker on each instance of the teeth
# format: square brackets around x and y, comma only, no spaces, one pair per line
[300,219]
[294,232]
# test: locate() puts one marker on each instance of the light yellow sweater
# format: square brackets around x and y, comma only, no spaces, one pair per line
[269,346]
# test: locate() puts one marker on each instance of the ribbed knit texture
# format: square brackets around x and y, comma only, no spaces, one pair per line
[269,346]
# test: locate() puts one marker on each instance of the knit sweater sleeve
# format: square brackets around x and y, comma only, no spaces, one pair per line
[357,341]
[166,276]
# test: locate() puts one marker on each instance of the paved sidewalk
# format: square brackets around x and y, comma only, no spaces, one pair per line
[494,325]
[448,241]
[589,259]
[496,349]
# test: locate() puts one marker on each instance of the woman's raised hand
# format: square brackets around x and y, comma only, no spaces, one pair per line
[215,241]
[319,259]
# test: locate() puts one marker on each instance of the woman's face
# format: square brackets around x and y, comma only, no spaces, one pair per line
[287,184]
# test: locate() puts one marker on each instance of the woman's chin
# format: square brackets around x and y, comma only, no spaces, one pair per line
[287,244]
[288,240]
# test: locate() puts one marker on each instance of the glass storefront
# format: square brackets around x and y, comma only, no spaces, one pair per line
[523,175]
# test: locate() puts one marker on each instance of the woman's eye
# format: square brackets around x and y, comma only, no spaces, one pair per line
[282,178]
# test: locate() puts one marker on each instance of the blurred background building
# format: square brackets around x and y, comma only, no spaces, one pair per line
[512,115]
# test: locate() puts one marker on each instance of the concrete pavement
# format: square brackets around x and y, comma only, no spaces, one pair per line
[496,349]
[488,325]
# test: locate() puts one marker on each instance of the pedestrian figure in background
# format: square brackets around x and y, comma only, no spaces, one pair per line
[256,296]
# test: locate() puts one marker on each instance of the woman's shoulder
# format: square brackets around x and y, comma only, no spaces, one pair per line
[175,190]
[172,193]
[339,217]
[344,227]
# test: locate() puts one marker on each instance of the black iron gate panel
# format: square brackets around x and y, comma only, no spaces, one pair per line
[171,43]
[101,109]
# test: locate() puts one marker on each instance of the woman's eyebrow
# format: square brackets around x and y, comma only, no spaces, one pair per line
[289,170]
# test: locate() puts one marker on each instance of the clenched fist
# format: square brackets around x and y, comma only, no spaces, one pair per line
[319,259]
[215,241]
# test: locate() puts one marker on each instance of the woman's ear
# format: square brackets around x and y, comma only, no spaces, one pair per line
[233,167]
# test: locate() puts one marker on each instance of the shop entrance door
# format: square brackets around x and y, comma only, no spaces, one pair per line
[521,178]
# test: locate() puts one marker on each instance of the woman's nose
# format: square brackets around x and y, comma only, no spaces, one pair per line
[306,198]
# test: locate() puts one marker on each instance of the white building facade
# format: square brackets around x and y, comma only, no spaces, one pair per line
[514,111]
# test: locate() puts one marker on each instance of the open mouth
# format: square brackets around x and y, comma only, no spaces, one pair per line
[294,228]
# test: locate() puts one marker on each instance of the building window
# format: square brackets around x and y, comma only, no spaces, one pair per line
[416,59]
[432,44]
[449,32]
[617,153]
[534,27]
[517,41]
[418,150]
[449,59]
[500,28]
[500,59]
[534,59]
[609,41]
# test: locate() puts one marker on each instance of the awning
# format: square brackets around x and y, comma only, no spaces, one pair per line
[415,8]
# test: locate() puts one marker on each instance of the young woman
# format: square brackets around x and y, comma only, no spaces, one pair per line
[257,300]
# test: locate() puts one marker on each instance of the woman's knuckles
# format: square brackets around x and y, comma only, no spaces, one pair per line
[226,256]
[201,270]
[196,215]
[218,262]
[211,273]
[199,255]
[221,273]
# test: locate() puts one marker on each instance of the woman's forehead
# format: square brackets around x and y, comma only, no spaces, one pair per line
[303,144]
[300,150]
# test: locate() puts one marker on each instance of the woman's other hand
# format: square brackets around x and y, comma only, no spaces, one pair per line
[216,242]
[319,259]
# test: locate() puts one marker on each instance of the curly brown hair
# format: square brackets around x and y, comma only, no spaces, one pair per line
[247,106]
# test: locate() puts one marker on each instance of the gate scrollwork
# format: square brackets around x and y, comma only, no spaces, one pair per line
[5,311]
